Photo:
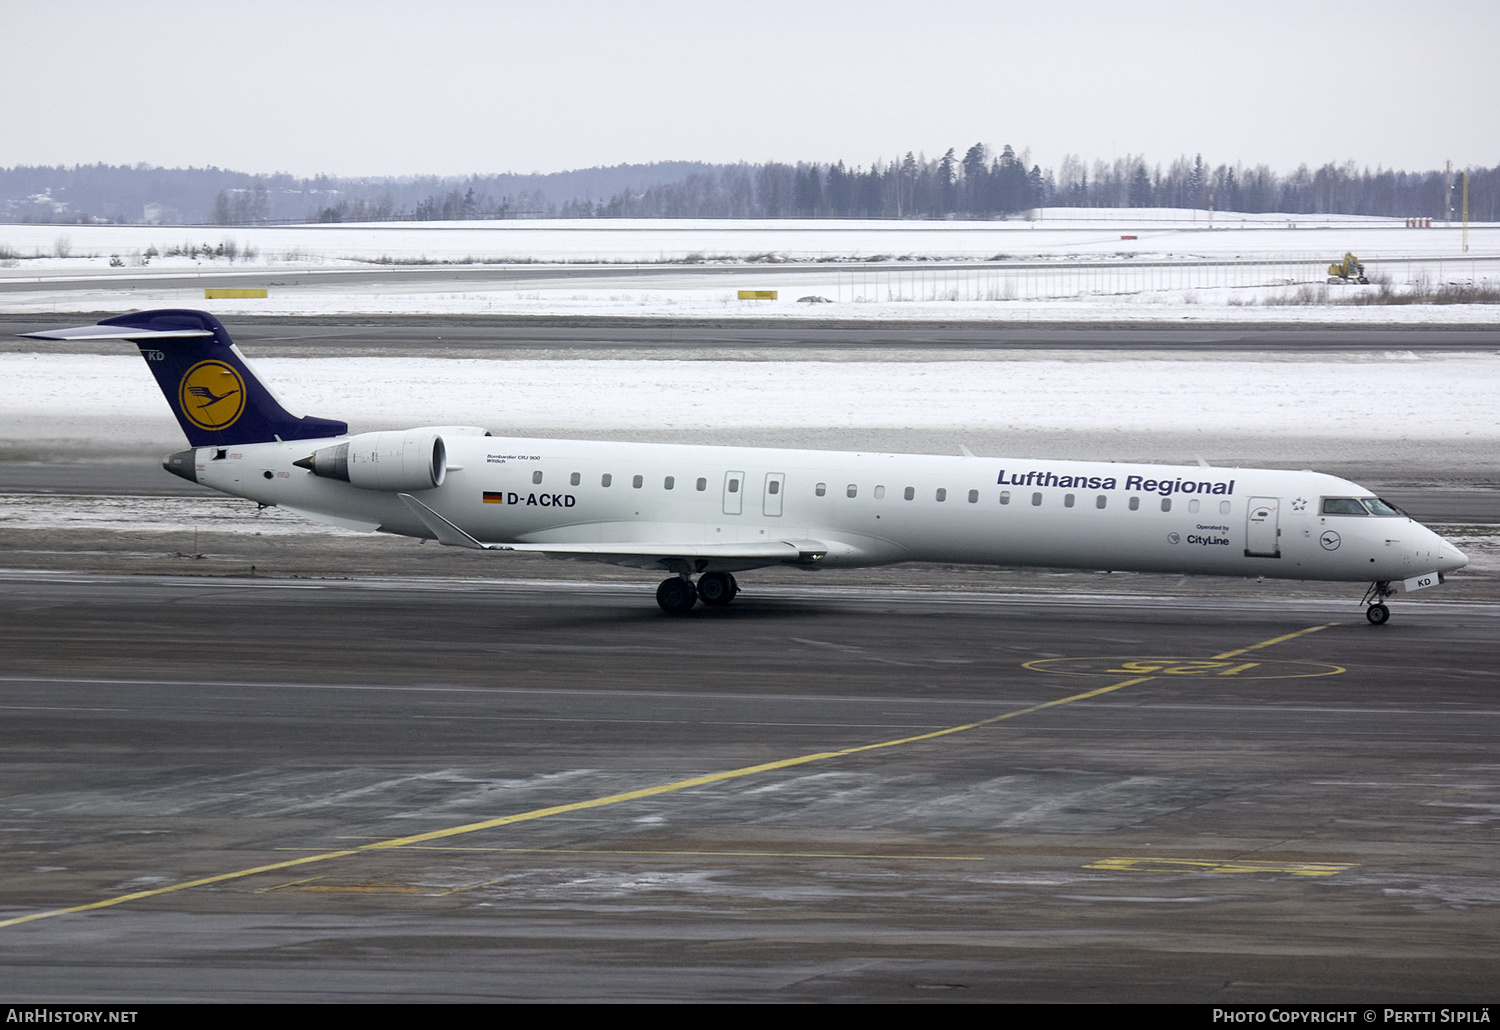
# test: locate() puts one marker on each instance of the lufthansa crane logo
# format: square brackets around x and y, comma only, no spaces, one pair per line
[211,395]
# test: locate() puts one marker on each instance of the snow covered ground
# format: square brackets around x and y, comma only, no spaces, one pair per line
[1432,412]
[1055,233]
[1066,264]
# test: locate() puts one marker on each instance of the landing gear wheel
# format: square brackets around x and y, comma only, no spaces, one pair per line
[1377,614]
[717,589]
[676,595]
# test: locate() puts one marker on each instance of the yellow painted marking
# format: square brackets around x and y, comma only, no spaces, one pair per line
[1265,669]
[466,887]
[282,886]
[757,295]
[1276,640]
[202,882]
[577,806]
[1160,865]
[611,799]
[377,888]
[696,854]
[220,294]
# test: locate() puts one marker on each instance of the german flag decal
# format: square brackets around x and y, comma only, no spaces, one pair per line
[494,497]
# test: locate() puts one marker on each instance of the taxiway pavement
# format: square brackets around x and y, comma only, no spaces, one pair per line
[391,789]
[393,772]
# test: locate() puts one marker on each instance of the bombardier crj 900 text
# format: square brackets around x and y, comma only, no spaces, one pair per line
[710,512]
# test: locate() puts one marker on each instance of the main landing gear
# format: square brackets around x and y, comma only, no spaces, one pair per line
[678,595]
[1377,612]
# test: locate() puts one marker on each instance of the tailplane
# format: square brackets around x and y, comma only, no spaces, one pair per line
[208,383]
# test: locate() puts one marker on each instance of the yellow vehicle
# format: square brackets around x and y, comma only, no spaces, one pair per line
[1349,270]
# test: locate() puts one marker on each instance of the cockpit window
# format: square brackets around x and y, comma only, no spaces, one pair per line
[1342,506]
[1378,507]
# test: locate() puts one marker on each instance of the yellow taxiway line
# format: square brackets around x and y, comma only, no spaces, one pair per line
[614,799]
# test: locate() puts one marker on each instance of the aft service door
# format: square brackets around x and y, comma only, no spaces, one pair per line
[775,484]
[734,493]
[1262,528]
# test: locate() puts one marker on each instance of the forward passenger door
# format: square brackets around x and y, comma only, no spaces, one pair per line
[1262,528]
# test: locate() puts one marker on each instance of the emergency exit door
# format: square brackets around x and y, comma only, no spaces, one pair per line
[734,493]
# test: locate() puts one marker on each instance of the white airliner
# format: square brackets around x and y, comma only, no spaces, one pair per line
[710,512]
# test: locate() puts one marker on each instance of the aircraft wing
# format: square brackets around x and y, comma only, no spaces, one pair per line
[638,554]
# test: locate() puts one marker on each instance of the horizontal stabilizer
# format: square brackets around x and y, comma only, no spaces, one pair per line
[114,332]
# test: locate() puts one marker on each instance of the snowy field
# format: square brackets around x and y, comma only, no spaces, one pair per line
[1066,264]
[1433,412]
[1055,233]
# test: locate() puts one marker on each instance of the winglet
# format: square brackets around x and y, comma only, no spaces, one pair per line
[446,532]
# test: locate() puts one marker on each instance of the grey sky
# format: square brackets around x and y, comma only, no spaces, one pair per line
[447,87]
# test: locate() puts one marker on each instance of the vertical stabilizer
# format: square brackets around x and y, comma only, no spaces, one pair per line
[217,398]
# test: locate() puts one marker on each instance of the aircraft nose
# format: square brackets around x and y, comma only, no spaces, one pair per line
[1450,558]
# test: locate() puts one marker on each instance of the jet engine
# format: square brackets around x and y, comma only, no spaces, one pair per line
[414,459]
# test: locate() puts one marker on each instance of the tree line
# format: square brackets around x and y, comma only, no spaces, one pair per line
[982,183]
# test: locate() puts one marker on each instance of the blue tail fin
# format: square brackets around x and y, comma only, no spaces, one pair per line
[217,399]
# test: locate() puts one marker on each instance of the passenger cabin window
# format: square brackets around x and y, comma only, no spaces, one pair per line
[942,494]
[702,484]
[1068,500]
[1194,505]
[1004,496]
[853,490]
[1135,504]
[1224,507]
[909,493]
[1343,506]
[1036,500]
[820,489]
[536,477]
[880,493]
[606,479]
[973,496]
[1100,501]
[669,482]
[637,481]
[575,479]
[1166,504]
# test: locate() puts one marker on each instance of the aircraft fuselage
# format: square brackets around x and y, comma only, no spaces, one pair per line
[868,508]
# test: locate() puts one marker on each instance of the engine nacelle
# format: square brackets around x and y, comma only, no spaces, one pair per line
[400,460]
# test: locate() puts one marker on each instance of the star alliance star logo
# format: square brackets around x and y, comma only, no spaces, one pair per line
[1300,504]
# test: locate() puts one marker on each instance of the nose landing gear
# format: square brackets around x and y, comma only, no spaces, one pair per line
[1377,612]
[678,595]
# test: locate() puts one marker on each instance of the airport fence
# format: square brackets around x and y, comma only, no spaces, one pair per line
[1021,281]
